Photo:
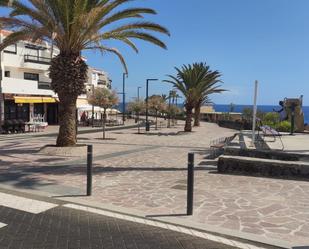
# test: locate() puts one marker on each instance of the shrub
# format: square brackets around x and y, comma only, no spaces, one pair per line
[284,126]
[271,119]
[247,114]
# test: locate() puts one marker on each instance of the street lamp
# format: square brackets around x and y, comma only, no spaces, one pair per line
[139,87]
[1,94]
[92,116]
[169,110]
[147,122]
[124,76]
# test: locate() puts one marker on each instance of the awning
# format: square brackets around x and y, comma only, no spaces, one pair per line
[23,100]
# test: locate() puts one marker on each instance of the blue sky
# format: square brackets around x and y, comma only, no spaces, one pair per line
[247,40]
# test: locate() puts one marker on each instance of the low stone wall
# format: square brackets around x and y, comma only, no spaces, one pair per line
[236,125]
[263,167]
[266,154]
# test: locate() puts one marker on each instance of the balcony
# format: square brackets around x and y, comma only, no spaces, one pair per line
[102,82]
[37,59]
[25,87]
[44,85]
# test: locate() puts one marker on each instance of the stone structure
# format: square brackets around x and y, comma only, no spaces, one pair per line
[263,167]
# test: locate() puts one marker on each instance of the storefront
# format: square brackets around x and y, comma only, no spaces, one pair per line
[29,107]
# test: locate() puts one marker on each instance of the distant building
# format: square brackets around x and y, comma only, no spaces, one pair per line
[209,114]
[26,90]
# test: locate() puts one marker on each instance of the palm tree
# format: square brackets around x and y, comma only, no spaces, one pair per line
[189,81]
[209,86]
[74,26]
[104,98]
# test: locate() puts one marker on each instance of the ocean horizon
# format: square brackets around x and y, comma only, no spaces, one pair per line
[263,108]
[240,108]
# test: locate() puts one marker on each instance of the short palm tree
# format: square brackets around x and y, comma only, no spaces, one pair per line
[74,26]
[209,86]
[189,81]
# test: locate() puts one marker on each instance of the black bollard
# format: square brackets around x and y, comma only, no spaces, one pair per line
[190,184]
[89,169]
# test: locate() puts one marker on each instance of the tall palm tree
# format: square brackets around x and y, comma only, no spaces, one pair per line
[74,26]
[189,81]
[209,86]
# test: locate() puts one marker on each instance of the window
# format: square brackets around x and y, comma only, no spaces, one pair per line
[31,76]
[7,74]
[12,49]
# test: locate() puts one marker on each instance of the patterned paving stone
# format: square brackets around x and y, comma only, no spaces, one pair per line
[64,228]
[140,172]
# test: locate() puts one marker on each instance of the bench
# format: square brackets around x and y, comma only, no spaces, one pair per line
[217,146]
[268,131]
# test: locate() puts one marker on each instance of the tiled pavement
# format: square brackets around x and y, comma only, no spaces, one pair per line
[146,174]
[68,226]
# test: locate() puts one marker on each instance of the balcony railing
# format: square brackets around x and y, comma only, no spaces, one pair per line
[37,59]
[44,85]
[101,82]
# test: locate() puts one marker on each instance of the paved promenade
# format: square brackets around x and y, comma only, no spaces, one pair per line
[145,175]
[30,222]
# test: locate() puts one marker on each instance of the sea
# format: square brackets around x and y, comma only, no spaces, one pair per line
[240,108]
[263,108]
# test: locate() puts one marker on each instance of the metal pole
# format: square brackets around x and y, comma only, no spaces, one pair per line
[1,94]
[76,123]
[292,119]
[169,110]
[89,169]
[123,97]
[147,122]
[190,184]
[92,118]
[139,87]
[254,113]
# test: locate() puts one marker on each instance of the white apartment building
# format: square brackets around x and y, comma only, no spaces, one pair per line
[26,84]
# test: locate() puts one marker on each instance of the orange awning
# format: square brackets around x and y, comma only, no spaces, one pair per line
[24,100]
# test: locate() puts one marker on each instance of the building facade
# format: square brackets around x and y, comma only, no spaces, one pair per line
[26,91]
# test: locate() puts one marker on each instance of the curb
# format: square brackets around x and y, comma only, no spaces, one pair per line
[225,236]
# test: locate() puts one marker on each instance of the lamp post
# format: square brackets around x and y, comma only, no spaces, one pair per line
[124,75]
[92,117]
[147,122]
[139,87]
[1,94]
[169,110]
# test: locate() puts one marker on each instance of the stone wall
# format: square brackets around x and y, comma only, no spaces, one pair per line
[266,154]
[263,167]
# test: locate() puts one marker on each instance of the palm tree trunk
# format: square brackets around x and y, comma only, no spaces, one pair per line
[156,120]
[67,121]
[104,122]
[188,125]
[197,113]
[138,125]
[69,74]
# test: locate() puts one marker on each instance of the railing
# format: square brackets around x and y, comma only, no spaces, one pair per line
[101,82]
[37,59]
[44,85]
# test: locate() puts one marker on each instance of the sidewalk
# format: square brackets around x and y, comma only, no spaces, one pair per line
[28,221]
[145,175]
